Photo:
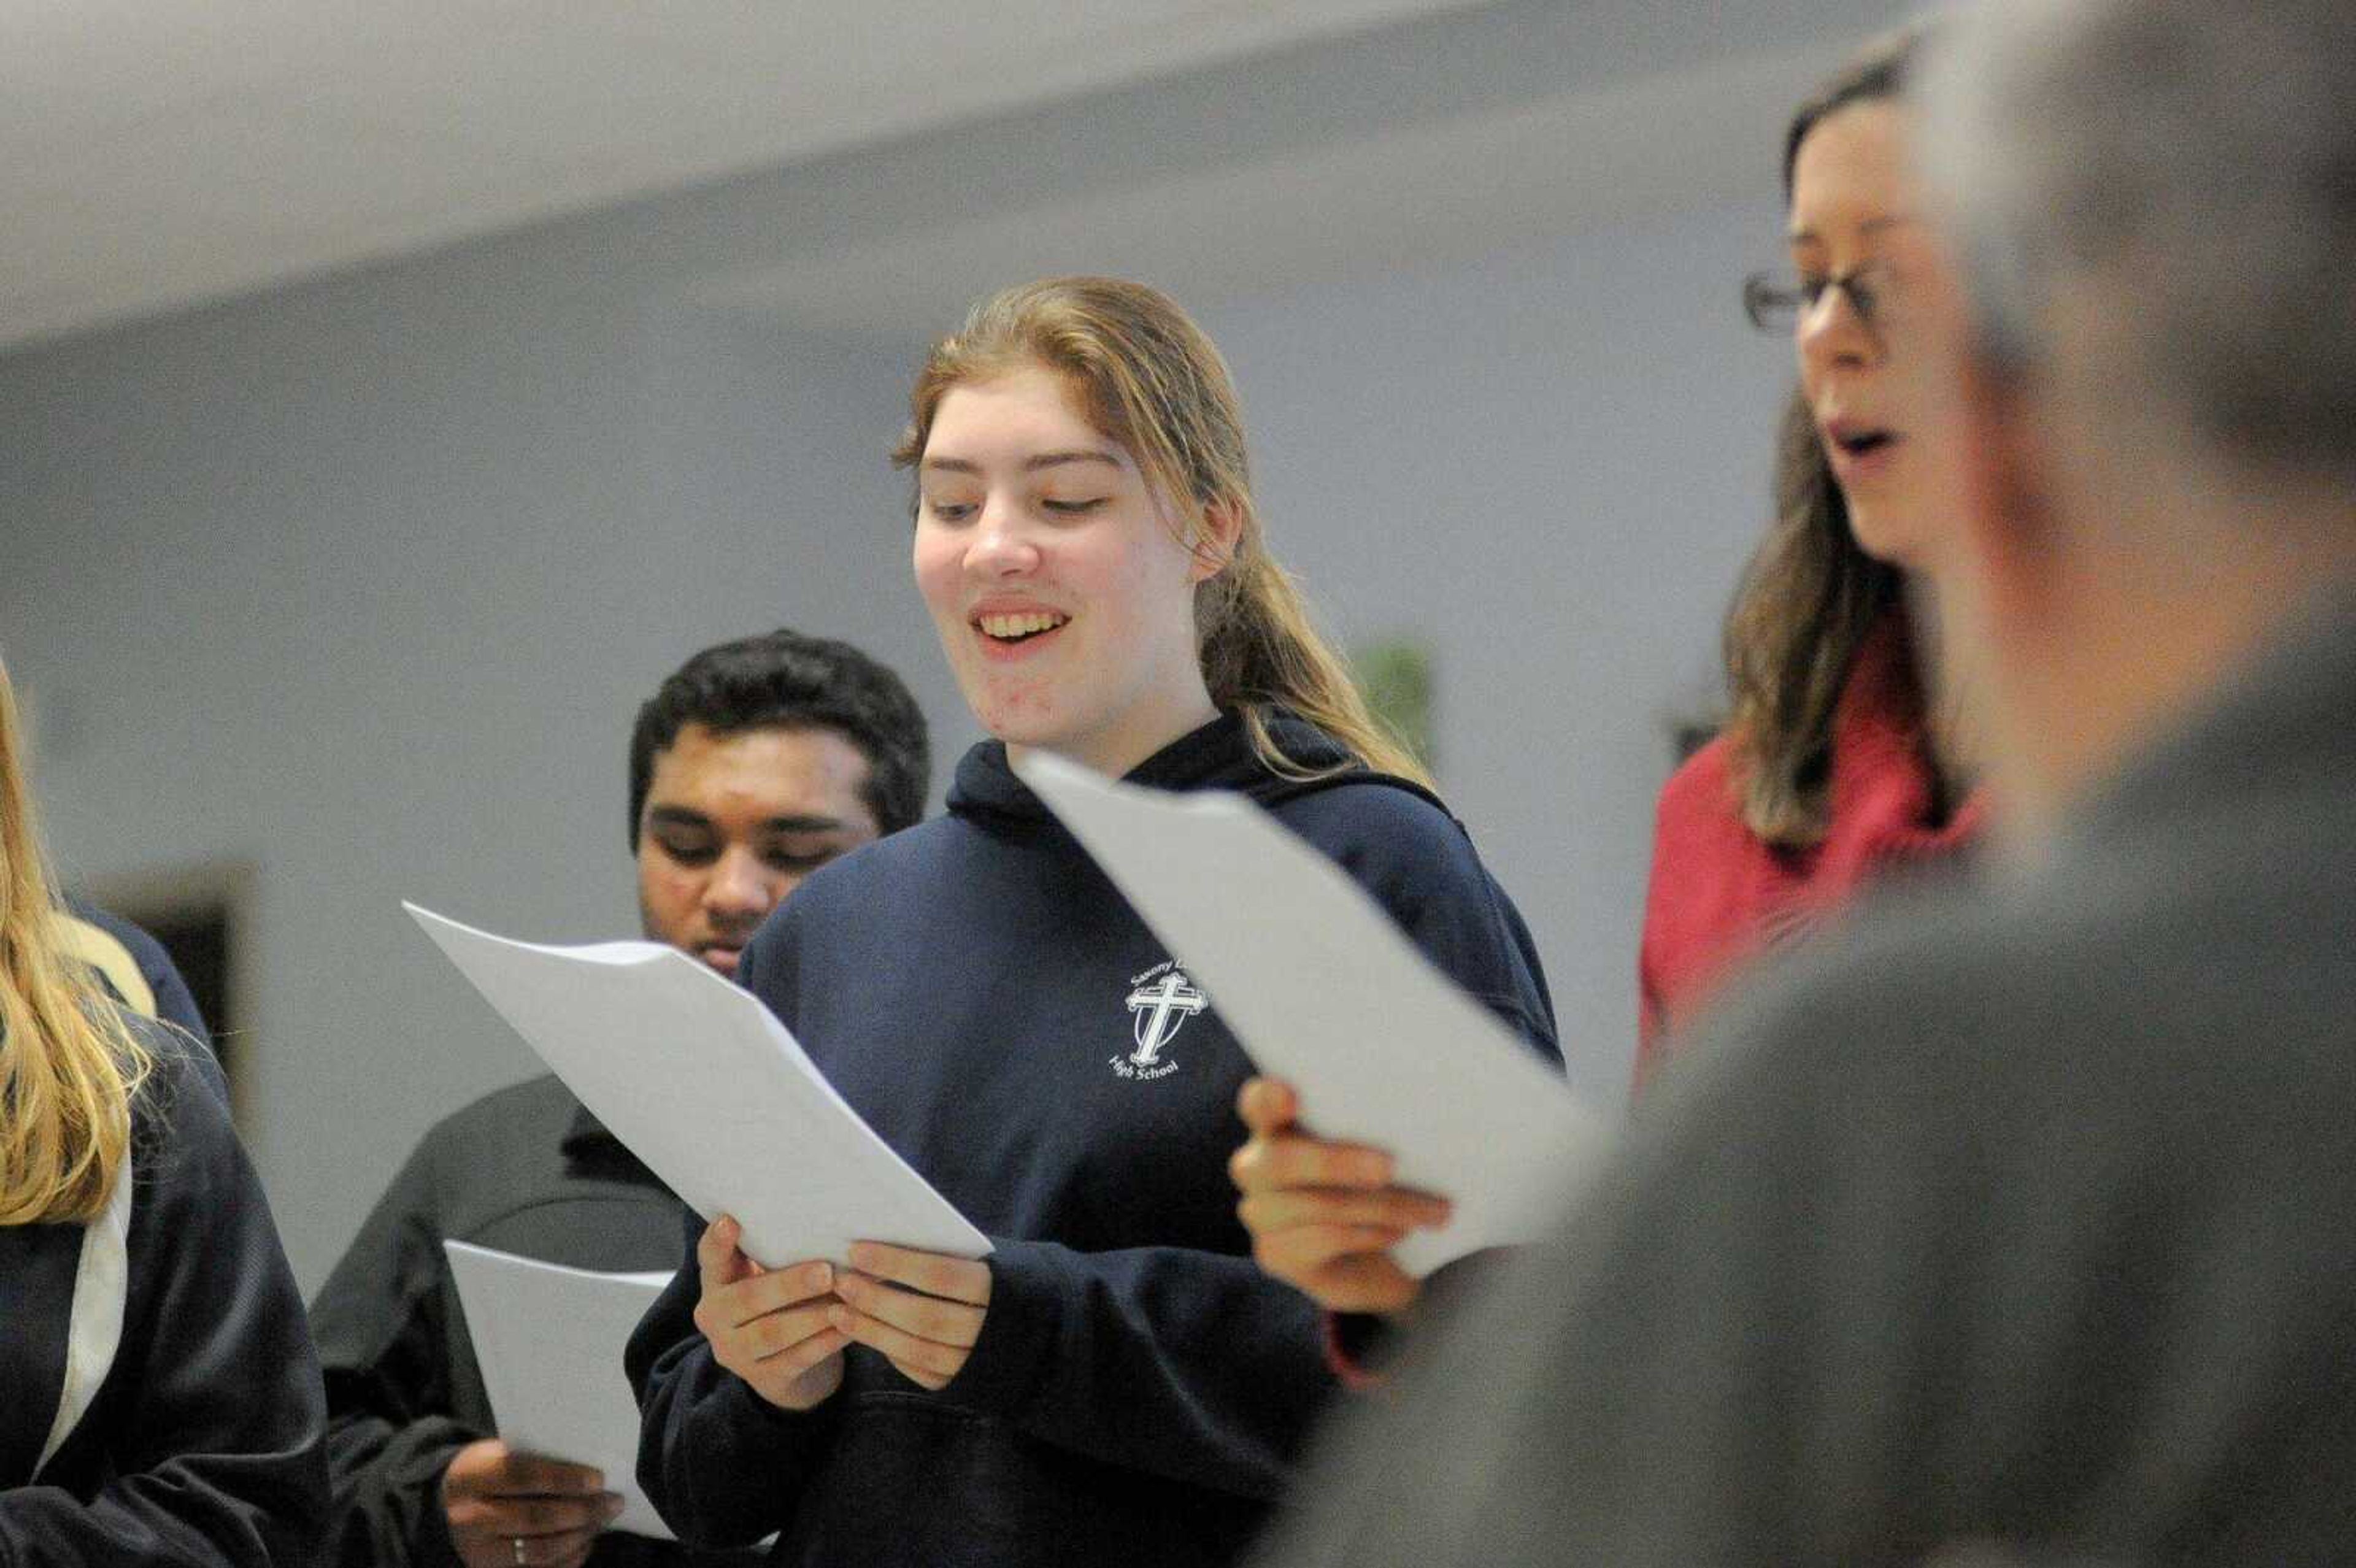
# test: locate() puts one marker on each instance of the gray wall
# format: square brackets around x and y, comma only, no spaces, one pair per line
[357,582]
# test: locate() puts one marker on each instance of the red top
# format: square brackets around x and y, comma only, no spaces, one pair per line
[1720,894]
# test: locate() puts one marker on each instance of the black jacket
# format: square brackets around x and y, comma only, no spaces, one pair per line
[204,1445]
[526,1170]
[977,991]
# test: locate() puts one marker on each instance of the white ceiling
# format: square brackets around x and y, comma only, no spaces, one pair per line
[158,153]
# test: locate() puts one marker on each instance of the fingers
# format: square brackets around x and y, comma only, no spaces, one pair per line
[1364,1282]
[506,1508]
[538,1516]
[537,1474]
[1323,1220]
[929,1363]
[487,1468]
[724,1309]
[1343,1267]
[717,1256]
[802,1375]
[1398,1209]
[562,1549]
[1293,1159]
[950,1323]
[1267,1105]
[771,1328]
[934,1274]
[923,1311]
[568,1550]
[749,1349]
[803,1371]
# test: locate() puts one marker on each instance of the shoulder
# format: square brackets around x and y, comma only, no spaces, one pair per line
[863,886]
[1400,844]
[2095,994]
[1380,823]
[1697,800]
[530,1110]
[182,1100]
[915,852]
[184,1147]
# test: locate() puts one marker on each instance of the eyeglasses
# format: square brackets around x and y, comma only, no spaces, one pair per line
[1775,302]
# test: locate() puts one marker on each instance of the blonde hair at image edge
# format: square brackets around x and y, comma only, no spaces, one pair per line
[68,1063]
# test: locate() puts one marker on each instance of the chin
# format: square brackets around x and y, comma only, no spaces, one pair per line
[1884,533]
[1019,724]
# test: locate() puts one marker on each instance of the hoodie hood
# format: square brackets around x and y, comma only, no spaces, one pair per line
[1217,756]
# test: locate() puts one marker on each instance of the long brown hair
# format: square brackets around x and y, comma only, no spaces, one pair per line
[1810,595]
[68,1063]
[1148,379]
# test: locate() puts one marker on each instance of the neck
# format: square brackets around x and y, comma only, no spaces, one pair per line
[1955,695]
[2125,667]
[1118,747]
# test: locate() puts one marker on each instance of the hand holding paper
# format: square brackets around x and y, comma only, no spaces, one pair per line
[773,1328]
[1325,991]
[549,1341]
[701,1081]
[1324,1216]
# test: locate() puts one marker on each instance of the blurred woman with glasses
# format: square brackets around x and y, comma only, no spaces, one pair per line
[1837,764]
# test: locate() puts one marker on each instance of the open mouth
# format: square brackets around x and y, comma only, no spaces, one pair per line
[1859,440]
[1010,630]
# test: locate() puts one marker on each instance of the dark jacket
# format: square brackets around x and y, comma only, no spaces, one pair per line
[204,1446]
[977,991]
[526,1170]
[2022,1221]
[174,1002]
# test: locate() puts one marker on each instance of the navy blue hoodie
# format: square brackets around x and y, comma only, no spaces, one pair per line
[980,994]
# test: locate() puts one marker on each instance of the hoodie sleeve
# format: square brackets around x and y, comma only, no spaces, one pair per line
[1173,1361]
[203,1448]
[721,1465]
[384,1346]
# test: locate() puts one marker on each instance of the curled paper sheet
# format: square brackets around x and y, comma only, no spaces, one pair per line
[700,1081]
[1322,990]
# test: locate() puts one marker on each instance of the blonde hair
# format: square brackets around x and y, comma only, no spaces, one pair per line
[1148,379]
[68,1062]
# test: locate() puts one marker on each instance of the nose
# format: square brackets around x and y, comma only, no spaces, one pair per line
[742,885]
[1001,544]
[1832,331]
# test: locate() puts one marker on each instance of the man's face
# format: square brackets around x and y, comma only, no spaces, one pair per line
[732,823]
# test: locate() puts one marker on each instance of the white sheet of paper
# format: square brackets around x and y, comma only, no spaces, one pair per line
[701,1081]
[1322,990]
[549,1341]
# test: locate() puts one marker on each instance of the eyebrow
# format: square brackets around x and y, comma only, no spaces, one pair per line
[681,816]
[1030,465]
[1870,226]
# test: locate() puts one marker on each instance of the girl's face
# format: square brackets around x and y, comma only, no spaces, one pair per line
[1063,595]
[1884,294]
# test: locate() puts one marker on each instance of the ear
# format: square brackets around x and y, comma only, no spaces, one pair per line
[1214,540]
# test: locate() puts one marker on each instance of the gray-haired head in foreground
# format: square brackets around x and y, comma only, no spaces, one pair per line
[2191,165]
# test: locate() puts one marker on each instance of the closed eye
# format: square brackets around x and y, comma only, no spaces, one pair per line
[1073,509]
[807,860]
